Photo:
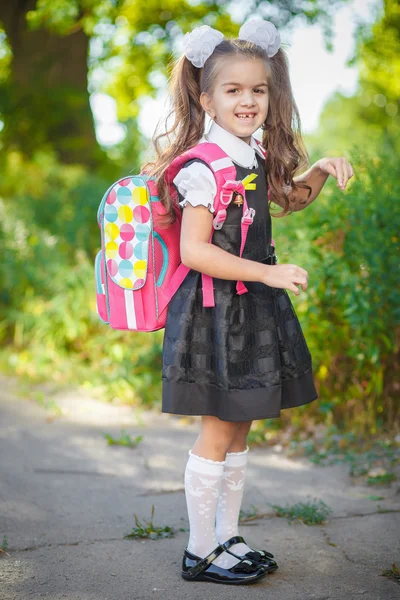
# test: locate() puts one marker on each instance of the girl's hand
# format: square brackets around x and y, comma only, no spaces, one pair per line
[339,167]
[286,277]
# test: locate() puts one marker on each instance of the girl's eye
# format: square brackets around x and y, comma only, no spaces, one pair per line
[257,90]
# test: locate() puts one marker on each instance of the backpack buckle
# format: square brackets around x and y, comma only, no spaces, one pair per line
[219,219]
[226,197]
[230,186]
[248,216]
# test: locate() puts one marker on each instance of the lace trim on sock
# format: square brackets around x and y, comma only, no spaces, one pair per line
[237,459]
[205,465]
[208,460]
[238,453]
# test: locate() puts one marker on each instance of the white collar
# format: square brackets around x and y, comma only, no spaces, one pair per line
[239,151]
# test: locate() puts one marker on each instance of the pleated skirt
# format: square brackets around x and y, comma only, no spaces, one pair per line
[244,359]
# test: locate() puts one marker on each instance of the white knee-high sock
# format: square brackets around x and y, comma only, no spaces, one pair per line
[230,499]
[202,484]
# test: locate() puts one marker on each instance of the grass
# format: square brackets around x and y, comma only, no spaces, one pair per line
[373,497]
[247,514]
[381,479]
[4,546]
[372,460]
[148,530]
[393,573]
[309,513]
[123,440]
[47,404]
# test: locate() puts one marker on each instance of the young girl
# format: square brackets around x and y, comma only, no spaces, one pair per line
[246,357]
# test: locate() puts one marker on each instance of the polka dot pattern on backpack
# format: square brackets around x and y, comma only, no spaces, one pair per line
[127,232]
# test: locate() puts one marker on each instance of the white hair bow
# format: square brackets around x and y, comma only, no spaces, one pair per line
[199,44]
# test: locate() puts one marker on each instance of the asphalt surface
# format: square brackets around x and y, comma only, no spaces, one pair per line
[67,499]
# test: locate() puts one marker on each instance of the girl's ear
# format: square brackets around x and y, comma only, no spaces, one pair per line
[207,104]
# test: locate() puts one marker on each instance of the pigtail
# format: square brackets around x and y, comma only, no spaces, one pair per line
[282,138]
[282,129]
[186,130]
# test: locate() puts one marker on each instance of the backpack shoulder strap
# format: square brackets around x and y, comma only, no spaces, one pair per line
[215,158]
[225,176]
[261,147]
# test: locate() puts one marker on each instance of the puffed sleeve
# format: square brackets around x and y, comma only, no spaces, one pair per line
[196,184]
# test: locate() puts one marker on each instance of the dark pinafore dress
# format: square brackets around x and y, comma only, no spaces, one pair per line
[245,358]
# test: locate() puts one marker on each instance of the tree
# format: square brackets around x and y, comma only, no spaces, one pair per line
[44,102]
[372,115]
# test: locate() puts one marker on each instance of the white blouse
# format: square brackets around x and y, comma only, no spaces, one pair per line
[197,185]
[196,182]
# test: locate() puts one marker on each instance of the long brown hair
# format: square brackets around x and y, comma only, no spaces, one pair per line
[281,130]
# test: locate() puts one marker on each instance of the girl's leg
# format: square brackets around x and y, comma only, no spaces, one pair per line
[215,438]
[239,442]
[232,487]
[203,478]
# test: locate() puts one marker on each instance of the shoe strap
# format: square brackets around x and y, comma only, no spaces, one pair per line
[236,539]
[207,560]
[259,554]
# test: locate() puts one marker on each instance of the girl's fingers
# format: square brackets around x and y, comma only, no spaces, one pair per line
[340,168]
[301,272]
[294,289]
[340,172]
[350,170]
[329,167]
[345,172]
[302,282]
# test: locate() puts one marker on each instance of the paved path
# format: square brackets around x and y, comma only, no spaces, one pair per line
[67,499]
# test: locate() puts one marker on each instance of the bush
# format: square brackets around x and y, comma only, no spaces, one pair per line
[50,328]
[349,243]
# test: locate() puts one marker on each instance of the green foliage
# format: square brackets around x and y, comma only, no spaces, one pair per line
[372,459]
[393,573]
[5,56]
[313,512]
[122,47]
[123,440]
[48,404]
[148,530]
[63,17]
[349,243]
[384,479]
[47,301]
[379,61]
[246,514]
[372,115]
[263,431]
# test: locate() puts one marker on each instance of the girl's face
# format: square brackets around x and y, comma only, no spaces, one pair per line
[239,101]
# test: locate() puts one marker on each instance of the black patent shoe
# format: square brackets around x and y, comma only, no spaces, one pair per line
[261,557]
[195,568]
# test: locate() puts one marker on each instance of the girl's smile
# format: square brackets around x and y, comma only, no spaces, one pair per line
[239,102]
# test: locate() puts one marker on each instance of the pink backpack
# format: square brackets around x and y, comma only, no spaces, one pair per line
[138,269]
